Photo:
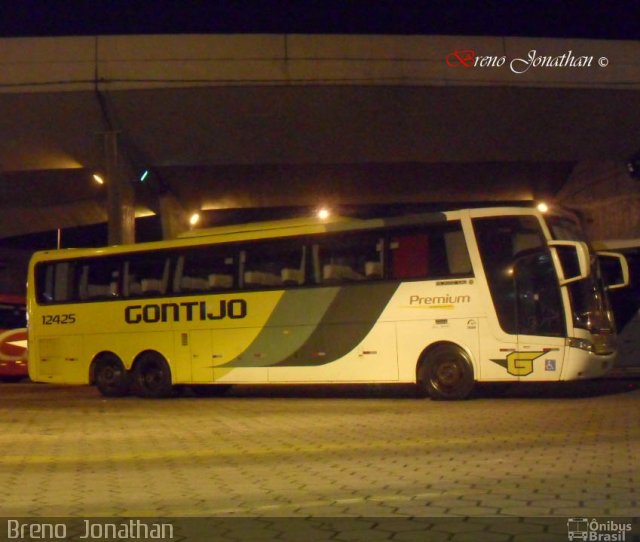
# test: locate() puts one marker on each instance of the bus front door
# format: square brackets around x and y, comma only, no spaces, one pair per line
[540,319]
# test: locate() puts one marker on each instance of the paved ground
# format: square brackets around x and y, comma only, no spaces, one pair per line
[325,455]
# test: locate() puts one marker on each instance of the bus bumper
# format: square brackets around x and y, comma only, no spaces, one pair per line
[582,364]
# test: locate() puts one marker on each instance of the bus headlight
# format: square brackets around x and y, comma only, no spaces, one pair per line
[582,344]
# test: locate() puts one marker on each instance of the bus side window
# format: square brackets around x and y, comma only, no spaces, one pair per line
[417,255]
[98,278]
[221,273]
[178,272]
[204,269]
[347,258]
[438,250]
[293,270]
[410,256]
[147,274]
[55,282]
[224,273]
[316,264]
[458,259]
[275,264]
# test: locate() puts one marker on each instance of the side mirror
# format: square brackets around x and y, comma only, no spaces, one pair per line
[571,259]
[615,269]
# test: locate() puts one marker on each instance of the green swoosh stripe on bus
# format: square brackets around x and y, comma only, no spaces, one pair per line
[288,328]
[316,340]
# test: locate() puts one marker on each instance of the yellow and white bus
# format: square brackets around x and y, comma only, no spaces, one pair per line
[443,300]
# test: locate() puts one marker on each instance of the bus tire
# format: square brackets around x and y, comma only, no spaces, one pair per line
[152,376]
[446,373]
[110,376]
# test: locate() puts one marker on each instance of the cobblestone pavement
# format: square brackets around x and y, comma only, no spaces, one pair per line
[326,455]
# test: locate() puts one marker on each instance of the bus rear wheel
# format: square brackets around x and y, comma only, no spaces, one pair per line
[446,373]
[111,378]
[152,377]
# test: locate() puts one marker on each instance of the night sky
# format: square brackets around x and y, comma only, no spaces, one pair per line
[577,19]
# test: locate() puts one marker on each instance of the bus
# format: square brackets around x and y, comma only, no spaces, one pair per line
[13,338]
[440,299]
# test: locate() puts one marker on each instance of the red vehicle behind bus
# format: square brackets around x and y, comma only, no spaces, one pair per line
[13,338]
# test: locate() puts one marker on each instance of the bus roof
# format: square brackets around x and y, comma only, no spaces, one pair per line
[290,225]
[269,229]
[248,232]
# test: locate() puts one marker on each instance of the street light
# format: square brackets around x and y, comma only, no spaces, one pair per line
[194,219]
[323,213]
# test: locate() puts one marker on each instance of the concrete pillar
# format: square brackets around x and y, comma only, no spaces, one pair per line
[120,200]
[608,198]
[173,216]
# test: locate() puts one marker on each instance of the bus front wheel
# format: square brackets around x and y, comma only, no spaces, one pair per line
[446,373]
[110,376]
[152,376]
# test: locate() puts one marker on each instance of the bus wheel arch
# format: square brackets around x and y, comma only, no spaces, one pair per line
[445,372]
[151,375]
[109,375]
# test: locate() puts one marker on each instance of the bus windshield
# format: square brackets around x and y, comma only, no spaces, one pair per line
[589,303]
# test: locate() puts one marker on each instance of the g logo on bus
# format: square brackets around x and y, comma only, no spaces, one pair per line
[519,363]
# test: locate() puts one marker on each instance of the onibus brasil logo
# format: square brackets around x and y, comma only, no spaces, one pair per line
[592,529]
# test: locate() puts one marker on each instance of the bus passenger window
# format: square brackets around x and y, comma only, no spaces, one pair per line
[147,274]
[458,259]
[98,278]
[348,258]
[55,282]
[279,263]
[204,269]
[410,256]
[294,275]
[436,250]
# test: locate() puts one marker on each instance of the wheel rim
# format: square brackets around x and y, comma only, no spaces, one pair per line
[447,375]
[109,376]
[152,376]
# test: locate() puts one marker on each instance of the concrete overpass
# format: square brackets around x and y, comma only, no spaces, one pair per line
[238,121]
